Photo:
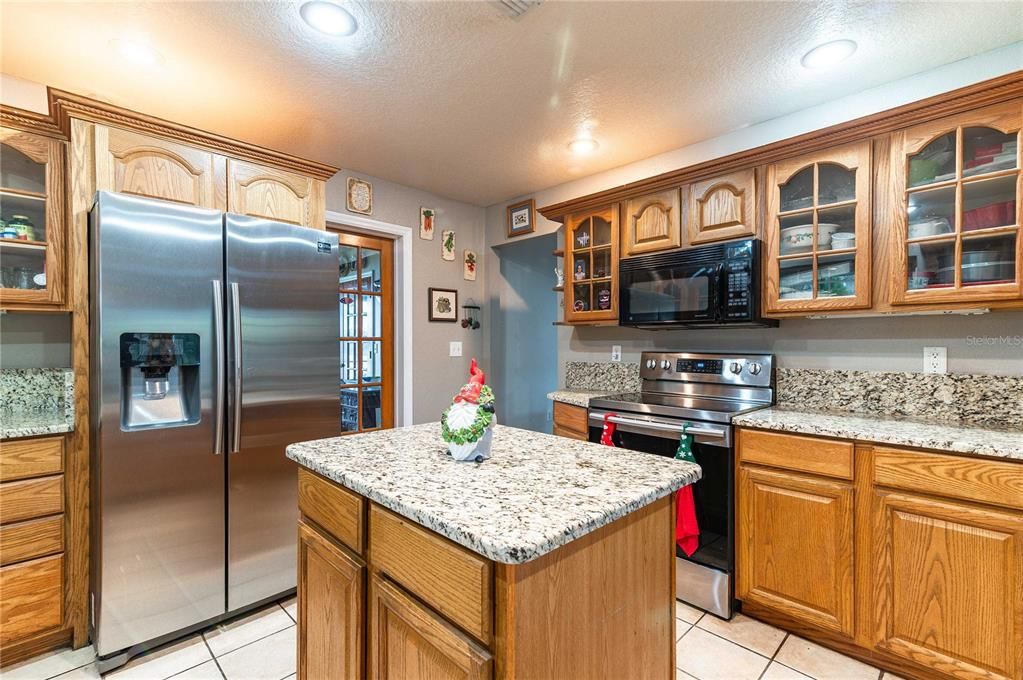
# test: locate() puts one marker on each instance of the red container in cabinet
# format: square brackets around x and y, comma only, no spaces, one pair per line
[994,215]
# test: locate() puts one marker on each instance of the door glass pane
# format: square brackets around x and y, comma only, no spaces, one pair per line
[602,263]
[581,237]
[989,260]
[349,363]
[371,408]
[371,316]
[931,212]
[370,269]
[602,296]
[348,267]
[22,266]
[835,184]
[988,150]
[831,221]
[931,265]
[936,162]
[19,172]
[349,315]
[989,203]
[371,362]
[24,217]
[796,233]
[797,193]
[581,267]
[795,281]
[349,409]
[601,232]
[581,297]
[836,275]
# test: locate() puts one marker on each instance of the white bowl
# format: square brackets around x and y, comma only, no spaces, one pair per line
[797,239]
[843,239]
[931,227]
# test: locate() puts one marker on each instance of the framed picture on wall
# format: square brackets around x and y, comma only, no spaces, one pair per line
[521,218]
[443,305]
[360,196]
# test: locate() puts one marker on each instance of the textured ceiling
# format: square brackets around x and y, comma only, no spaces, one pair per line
[459,99]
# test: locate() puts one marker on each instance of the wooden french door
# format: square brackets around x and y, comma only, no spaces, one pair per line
[366,297]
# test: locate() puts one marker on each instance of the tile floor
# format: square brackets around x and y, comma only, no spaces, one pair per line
[261,646]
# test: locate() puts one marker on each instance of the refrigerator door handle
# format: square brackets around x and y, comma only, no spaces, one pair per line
[221,367]
[236,335]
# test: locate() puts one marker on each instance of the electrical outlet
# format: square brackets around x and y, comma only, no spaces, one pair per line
[455,349]
[616,352]
[935,360]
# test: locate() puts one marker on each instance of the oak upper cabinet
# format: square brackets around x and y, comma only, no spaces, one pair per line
[32,208]
[652,223]
[409,642]
[591,266]
[129,162]
[817,229]
[949,584]
[331,592]
[721,208]
[274,194]
[958,191]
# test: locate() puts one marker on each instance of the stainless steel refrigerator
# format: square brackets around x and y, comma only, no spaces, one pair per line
[214,345]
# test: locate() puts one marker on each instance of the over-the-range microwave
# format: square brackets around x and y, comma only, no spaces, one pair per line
[715,285]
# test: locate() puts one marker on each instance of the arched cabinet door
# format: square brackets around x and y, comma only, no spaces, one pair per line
[591,266]
[721,208]
[261,191]
[652,223]
[957,186]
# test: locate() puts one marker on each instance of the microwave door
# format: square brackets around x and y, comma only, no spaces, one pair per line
[674,295]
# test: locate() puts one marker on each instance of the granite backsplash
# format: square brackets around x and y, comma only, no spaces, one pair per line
[37,389]
[602,376]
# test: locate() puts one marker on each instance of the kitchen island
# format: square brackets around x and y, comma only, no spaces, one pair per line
[553,559]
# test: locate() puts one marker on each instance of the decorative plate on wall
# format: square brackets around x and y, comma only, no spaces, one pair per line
[360,196]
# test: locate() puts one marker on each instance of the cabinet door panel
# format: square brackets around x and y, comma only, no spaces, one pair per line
[274,194]
[31,598]
[653,223]
[795,546]
[949,585]
[591,266]
[409,642]
[722,208]
[330,611]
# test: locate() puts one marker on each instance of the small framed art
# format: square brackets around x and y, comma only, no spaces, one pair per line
[443,305]
[360,196]
[521,218]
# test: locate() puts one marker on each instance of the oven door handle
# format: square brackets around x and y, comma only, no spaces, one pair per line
[656,425]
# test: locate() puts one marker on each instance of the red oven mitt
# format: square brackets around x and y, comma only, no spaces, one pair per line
[687,529]
[609,430]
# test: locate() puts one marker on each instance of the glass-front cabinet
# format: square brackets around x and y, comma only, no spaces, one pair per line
[31,219]
[958,224]
[591,266]
[818,231]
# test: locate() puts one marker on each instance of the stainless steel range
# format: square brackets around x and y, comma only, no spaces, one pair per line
[703,391]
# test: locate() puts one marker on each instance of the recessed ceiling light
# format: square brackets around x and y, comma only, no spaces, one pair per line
[137,52]
[583,146]
[828,54]
[328,17]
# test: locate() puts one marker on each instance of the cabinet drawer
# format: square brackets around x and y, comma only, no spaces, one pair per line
[31,458]
[571,434]
[793,452]
[453,580]
[31,597]
[31,498]
[971,479]
[569,417]
[36,537]
[333,507]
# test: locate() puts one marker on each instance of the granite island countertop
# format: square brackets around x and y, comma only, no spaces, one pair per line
[537,493]
[986,440]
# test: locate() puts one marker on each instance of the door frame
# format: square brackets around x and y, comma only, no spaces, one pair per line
[403,329]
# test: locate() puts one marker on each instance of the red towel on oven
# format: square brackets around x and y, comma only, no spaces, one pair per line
[609,430]
[687,530]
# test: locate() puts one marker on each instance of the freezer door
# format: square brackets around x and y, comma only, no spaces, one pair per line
[158,550]
[283,387]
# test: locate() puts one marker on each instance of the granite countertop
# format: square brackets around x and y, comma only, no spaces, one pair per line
[537,493]
[14,424]
[1001,442]
[576,397]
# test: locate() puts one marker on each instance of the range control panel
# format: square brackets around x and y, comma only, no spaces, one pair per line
[753,370]
[698,366]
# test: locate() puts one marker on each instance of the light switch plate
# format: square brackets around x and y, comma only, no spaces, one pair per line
[616,352]
[455,349]
[935,360]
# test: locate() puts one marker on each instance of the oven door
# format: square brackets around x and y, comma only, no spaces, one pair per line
[667,290]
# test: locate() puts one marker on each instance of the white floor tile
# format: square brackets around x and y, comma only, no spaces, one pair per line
[750,633]
[271,658]
[891,676]
[682,675]
[229,636]
[681,628]
[88,672]
[165,662]
[204,671]
[709,657]
[778,672]
[687,613]
[49,665]
[822,663]
[291,606]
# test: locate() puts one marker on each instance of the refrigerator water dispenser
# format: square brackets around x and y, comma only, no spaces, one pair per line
[159,380]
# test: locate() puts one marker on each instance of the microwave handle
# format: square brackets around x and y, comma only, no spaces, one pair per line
[721,294]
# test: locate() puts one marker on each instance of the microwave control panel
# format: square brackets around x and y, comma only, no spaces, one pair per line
[739,282]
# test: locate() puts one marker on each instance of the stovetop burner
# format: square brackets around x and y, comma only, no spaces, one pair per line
[676,406]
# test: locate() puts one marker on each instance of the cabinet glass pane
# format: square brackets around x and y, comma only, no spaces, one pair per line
[370,270]
[795,281]
[371,408]
[18,171]
[797,193]
[796,233]
[371,362]
[349,363]
[931,265]
[836,275]
[601,232]
[601,263]
[988,150]
[581,267]
[989,260]
[835,184]
[602,296]
[931,212]
[349,409]
[24,217]
[581,236]
[989,203]
[349,315]
[581,297]
[22,266]
[371,316]
[831,221]
[936,162]
[348,267]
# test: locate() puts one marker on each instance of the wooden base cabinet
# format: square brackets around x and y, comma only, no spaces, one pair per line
[571,421]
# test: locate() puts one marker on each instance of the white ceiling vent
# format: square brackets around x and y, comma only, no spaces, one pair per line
[516,8]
